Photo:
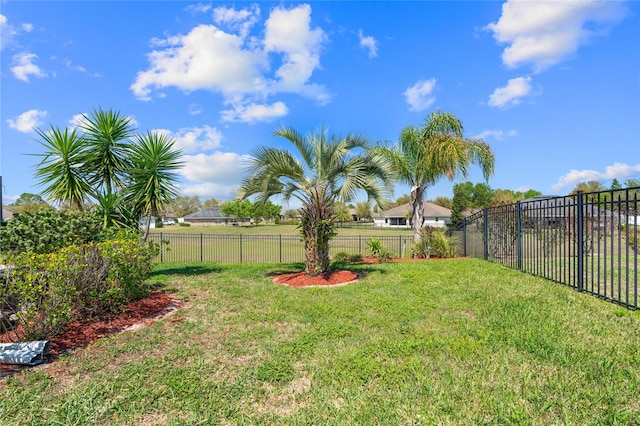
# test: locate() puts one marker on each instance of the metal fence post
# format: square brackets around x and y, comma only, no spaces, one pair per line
[580,238]
[464,237]
[400,245]
[161,251]
[201,256]
[240,248]
[485,213]
[518,237]
[280,248]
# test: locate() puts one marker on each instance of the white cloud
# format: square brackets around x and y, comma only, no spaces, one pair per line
[8,32]
[77,121]
[218,174]
[236,65]
[419,95]
[253,113]
[194,109]
[511,94]
[544,33]
[288,31]
[368,43]
[496,134]
[616,170]
[27,121]
[199,8]
[240,21]
[23,66]
[195,139]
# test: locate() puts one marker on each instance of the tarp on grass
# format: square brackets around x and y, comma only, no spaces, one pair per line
[24,353]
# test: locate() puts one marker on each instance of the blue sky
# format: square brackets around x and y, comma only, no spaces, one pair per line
[553,87]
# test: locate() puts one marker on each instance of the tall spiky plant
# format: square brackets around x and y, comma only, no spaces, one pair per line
[153,174]
[327,170]
[62,169]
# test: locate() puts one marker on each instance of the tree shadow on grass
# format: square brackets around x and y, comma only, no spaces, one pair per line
[187,270]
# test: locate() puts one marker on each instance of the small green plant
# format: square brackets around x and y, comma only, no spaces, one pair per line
[378,250]
[434,242]
[343,257]
[184,224]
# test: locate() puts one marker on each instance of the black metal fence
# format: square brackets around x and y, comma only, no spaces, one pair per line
[588,241]
[262,248]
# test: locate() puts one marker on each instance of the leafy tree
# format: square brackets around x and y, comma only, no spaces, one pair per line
[154,162]
[632,183]
[265,210]
[61,169]
[438,149]
[363,210]
[445,202]
[458,205]
[615,184]
[503,197]
[402,200]
[183,205]
[530,194]
[240,209]
[211,202]
[28,202]
[327,170]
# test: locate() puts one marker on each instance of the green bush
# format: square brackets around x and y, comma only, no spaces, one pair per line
[184,224]
[434,242]
[45,291]
[48,230]
[378,250]
[341,256]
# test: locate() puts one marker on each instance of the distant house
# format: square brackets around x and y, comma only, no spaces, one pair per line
[399,217]
[210,216]
[551,211]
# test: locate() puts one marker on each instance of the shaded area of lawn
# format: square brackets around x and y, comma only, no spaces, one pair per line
[456,342]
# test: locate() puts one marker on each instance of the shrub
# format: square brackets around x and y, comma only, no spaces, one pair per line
[48,230]
[378,250]
[341,256]
[434,242]
[184,224]
[45,291]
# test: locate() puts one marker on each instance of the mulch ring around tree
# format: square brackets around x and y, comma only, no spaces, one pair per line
[83,332]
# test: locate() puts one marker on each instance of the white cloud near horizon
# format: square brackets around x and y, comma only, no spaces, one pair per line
[23,66]
[616,170]
[216,174]
[496,134]
[231,62]
[27,121]
[195,139]
[419,96]
[516,89]
[545,33]
[368,43]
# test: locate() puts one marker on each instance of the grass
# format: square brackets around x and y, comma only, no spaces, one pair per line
[271,229]
[442,342]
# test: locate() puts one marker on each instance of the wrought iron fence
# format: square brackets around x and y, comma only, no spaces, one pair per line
[261,248]
[588,241]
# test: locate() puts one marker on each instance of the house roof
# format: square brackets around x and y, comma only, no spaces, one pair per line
[430,210]
[210,213]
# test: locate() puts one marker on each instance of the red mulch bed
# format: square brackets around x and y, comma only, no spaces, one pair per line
[81,333]
[301,279]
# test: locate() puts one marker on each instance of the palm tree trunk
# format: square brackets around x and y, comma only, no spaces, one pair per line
[146,228]
[417,210]
[317,230]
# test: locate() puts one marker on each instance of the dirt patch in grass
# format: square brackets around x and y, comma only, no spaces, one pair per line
[81,333]
[301,279]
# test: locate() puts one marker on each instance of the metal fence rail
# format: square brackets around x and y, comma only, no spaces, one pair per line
[588,241]
[261,248]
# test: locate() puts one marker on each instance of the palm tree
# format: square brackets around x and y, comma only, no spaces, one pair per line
[328,171]
[107,134]
[437,149]
[62,169]
[152,185]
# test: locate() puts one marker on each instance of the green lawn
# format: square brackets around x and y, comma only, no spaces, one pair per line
[436,342]
[270,229]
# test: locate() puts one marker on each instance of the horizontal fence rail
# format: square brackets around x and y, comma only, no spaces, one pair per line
[262,248]
[588,241]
